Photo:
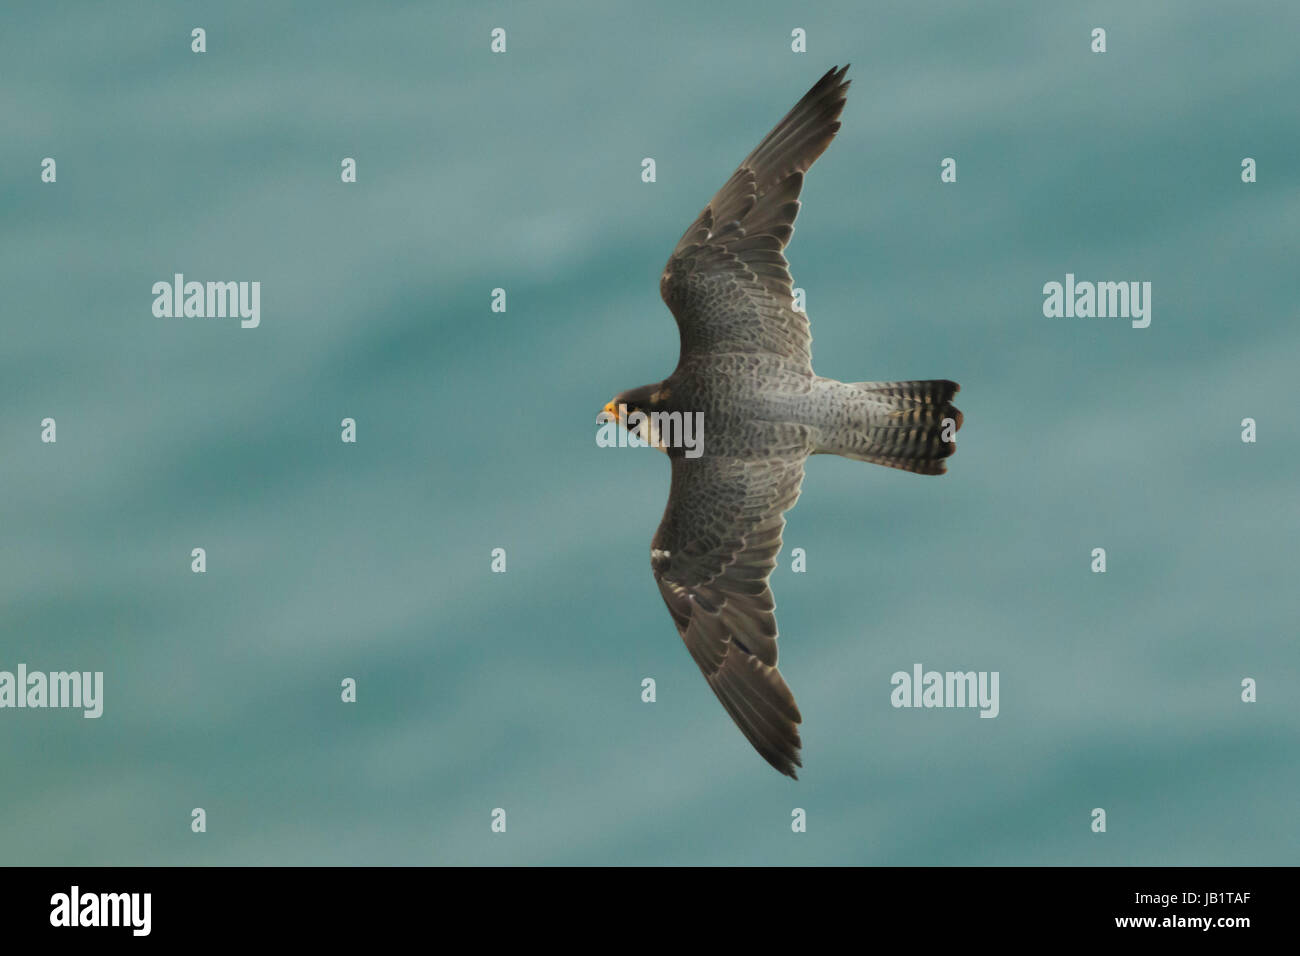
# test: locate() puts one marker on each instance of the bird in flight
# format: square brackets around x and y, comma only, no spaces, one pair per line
[746,367]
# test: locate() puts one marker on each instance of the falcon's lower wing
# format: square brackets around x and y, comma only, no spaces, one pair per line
[711,556]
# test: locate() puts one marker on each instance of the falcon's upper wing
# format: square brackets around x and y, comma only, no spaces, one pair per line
[711,556]
[727,282]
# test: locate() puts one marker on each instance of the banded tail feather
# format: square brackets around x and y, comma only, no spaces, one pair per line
[905,425]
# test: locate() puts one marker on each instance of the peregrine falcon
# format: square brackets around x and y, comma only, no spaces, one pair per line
[746,365]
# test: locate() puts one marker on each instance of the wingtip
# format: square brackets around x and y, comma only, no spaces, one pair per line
[835,75]
[787,765]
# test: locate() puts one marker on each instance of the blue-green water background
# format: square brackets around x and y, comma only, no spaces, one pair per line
[521,691]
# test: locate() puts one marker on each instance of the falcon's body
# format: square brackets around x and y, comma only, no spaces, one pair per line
[746,364]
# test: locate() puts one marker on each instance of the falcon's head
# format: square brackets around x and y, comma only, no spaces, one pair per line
[632,409]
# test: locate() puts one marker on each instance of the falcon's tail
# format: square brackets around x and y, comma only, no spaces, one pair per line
[907,425]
